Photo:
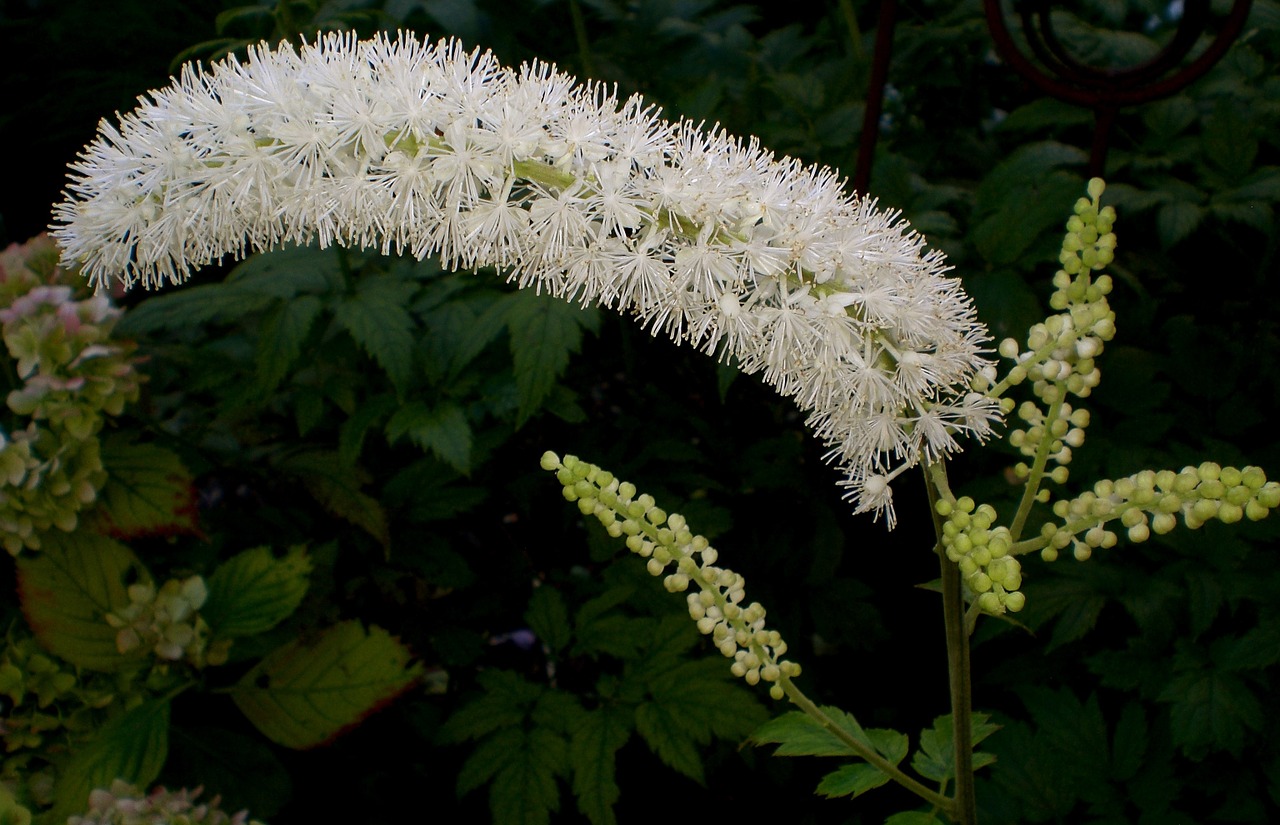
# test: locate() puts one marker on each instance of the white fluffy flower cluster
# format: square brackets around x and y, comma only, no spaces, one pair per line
[404,146]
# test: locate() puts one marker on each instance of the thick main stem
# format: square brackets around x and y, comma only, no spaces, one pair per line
[961,687]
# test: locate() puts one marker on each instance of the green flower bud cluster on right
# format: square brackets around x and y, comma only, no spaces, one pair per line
[665,540]
[123,804]
[46,706]
[1151,502]
[70,375]
[1059,358]
[167,622]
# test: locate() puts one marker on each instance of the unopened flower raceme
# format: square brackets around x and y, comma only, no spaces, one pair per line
[433,150]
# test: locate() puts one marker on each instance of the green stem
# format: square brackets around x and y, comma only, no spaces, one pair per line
[864,750]
[1037,469]
[855,33]
[580,34]
[964,810]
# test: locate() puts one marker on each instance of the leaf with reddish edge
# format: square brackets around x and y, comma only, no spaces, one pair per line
[308,692]
[148,493]
[69,587]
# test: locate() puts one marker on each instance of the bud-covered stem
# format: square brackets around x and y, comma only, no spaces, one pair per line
[1032,486]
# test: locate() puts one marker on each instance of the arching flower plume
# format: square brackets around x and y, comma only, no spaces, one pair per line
[406,146]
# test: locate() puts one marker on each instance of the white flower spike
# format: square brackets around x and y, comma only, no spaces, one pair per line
[404,146]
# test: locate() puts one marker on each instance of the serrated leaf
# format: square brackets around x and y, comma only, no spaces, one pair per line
[148,493]
[1176,220]
[357,425]
[190,307]
[284,273]
[309,691]
[241,769]
[507,701]
[443,430]
[524,791]
[936,758]
[851,780]
[1130,743]
[336,486]
[1211,711]
[132,747]
[281,339]
[592,756]
[912,818]
[544,332]
[798,734]
[254,591]
[377,318]
[68,589]
[548,618]
[616,635]
[663,732]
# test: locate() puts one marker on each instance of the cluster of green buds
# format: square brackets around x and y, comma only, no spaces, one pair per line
[682,559]
[71,374]
[1059,354]
[44,705]
[983,552]
[1150,502]
[168,622]
[123,804]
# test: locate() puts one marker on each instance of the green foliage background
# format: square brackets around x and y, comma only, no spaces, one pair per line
[397,413]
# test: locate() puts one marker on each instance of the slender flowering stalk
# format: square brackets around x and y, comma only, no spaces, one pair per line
[404,146]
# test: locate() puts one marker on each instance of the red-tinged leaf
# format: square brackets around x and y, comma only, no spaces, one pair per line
[69,587]
[148,493]
[309,691]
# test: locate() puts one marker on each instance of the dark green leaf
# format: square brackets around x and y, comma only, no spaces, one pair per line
[337,488]
[508,699]
[592,751]
[1176,220]
[255,591]
[936,758]
[798,734]
[241,769]
[377,318]
[443,430]
[664,732]
[524,791]
[548,618]
[280,342]
[851,780]
[133,747]
[912,818]
[1211,711]
[544,332]
[190,307]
